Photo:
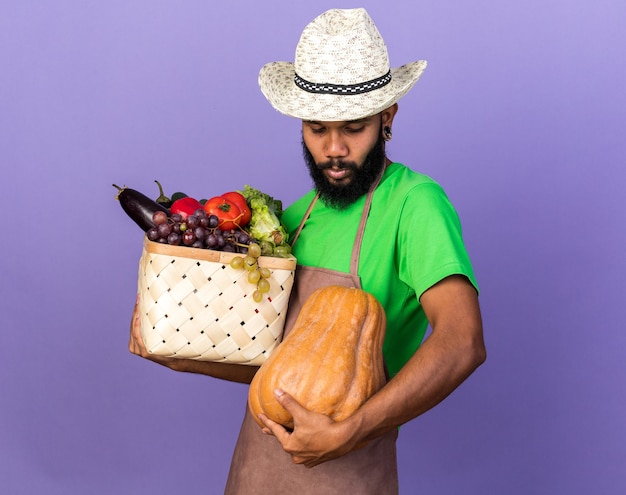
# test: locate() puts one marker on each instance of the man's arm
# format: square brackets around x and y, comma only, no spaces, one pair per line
[232,372]
[447,357]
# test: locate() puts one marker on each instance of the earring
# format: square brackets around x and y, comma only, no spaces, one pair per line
[387,133]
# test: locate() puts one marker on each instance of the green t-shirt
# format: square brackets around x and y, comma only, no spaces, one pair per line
[412,240]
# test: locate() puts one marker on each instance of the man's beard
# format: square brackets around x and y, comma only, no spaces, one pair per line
[342,196]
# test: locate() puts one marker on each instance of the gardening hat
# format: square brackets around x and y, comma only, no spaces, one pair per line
[341,71]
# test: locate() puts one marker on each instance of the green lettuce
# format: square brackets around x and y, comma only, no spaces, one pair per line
[265,225]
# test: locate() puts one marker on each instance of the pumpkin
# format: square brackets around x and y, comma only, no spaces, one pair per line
[331,361]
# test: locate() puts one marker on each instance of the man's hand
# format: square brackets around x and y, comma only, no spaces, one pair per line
[315,437]
[136,344]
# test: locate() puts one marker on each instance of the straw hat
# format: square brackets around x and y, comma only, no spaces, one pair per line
[341,71]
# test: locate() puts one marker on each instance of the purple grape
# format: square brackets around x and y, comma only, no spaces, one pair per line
[164,229]
[173,239]
[201,233]
[153,234]
[189,237]
[159,217]
[192,222]
[211,241]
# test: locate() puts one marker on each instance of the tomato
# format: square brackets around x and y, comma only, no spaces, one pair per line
[227,212]
[238,198]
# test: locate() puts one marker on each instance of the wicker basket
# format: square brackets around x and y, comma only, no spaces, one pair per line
[194,305]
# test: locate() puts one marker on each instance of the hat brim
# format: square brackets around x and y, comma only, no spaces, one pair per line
[276,81]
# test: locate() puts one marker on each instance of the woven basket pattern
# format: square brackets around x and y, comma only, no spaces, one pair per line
[194,305]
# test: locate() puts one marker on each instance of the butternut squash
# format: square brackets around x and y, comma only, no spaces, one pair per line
[331,361]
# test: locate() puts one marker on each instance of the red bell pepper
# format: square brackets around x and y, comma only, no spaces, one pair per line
[185,206]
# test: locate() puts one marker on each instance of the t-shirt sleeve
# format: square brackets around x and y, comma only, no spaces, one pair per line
[430,243]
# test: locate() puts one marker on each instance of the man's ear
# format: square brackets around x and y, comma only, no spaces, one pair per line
[388,114]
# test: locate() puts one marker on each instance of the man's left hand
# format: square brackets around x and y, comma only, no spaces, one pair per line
[315,437]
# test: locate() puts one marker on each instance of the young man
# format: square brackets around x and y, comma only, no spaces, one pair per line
[370,223]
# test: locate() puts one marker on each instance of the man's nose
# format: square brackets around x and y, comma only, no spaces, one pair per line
[335,146]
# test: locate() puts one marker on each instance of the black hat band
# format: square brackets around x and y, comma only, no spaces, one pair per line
[342,89]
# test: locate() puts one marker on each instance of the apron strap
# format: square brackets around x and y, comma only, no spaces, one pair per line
[356,248]
[304,219]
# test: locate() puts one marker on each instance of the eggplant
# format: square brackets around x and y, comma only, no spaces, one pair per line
[139,207]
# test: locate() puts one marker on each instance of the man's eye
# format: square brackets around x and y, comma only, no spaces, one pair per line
[317,130]
[354,130]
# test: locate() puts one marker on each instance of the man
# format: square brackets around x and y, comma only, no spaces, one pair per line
[370,223]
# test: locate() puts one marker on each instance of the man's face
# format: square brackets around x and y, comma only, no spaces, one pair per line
[343,158]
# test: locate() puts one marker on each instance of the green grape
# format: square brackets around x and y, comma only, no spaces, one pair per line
[267,248]
[237,263]
[249,263]
[263,285]
[254,276]
[257,296]
[254,250]
[282,251]
[265,272]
